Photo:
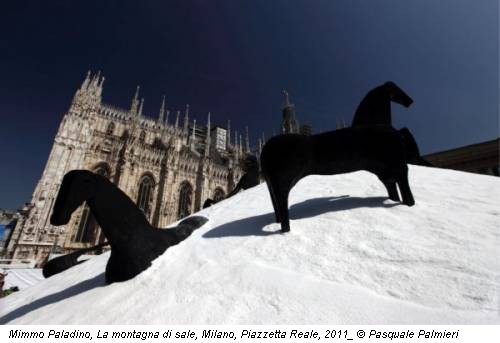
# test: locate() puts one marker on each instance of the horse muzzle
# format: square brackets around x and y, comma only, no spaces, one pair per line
[408,102]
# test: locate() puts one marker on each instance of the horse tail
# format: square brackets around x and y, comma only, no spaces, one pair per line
[411,149]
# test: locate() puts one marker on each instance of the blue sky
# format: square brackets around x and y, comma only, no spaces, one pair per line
[233,58]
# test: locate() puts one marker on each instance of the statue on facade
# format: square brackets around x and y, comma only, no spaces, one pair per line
[289,122]
[134,242]
[383,151]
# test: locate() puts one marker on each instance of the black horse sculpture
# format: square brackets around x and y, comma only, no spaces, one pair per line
[249,179]
[61,263]
[134,242]
[383,151]
[375,108]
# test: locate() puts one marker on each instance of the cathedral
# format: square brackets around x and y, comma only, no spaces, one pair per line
[169,166]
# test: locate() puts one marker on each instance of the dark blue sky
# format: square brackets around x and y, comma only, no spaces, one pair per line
[233,58]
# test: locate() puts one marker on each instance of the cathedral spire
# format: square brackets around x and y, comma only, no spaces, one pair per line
[90,91]
[136,96]
[207,139]
[177,119]
[186,118]
[91,82]
[95,80]
[287,98]
[289,123]
[241,146]
[247,140]
[166,117]
[193,133]
[162,111]
[236,148]
[86,82]
[135,102]
[140,107]
[228,135]
[99,87]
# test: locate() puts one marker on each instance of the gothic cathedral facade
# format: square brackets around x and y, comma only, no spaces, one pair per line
[168,169]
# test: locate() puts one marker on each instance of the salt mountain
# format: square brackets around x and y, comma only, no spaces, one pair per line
[352,257]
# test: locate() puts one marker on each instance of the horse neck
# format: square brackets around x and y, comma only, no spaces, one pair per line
[115,212]
[375,102]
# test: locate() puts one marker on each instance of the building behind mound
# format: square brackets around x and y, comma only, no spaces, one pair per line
[480,158]
[168,166]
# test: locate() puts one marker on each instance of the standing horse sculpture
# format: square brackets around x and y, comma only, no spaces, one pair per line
[383,151]
[375,108]
[134,242]
[249,179]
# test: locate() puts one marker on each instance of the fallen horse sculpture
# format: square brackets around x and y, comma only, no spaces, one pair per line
[383,151]
[134,242]
[61,263]
[375,108]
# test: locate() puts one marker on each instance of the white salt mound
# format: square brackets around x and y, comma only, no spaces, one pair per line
[352,257]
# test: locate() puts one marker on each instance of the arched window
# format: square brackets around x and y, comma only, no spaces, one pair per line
[219,194]
[88,229]
[125,134]
[185,200]
[111,128]
[142,137]
[145,195]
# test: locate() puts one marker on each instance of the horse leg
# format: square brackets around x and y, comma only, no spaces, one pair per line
[281,194]
[404,187]
[392,190]
[390,185]
[273,200]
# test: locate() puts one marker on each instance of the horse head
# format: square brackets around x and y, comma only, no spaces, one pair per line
[77,186]
[397,95]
